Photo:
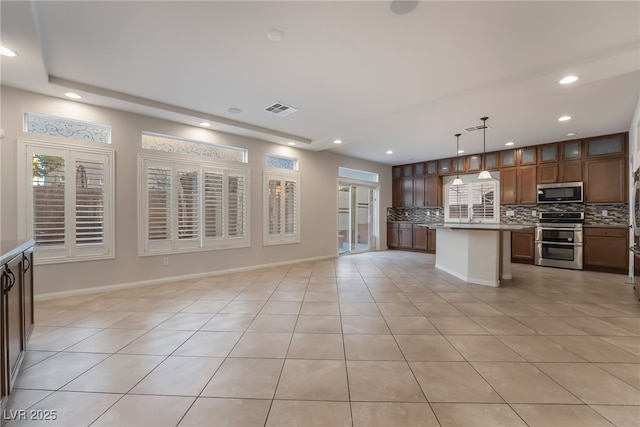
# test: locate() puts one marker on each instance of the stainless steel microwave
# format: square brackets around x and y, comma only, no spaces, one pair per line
[563,192]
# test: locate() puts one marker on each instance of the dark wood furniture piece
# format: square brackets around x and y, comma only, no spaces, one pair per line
[16,310]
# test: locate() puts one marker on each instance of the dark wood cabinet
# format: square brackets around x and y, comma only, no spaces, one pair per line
[527,156]
[396,172]
[419,169]
[490,161]
[407,192]
[16,308]
[393,236]
[507,158]
[508,186]
[444,166]
[548,174]
[419,191]
[570,171]
[571,150]
[606,145]
[433,191]
[522,246]
[548,153]
[396,193]
[405,236]
[420,238]
[605,180]
[431,236]
[527,190]
[606,249]
[518,186]
[474,163]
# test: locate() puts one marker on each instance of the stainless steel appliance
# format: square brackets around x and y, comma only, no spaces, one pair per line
[635,249]
[562,192]
[558,240]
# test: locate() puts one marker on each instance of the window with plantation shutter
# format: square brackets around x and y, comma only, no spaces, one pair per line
[213,205]
[191,206]
[281,208]
[473,201]
[68,200]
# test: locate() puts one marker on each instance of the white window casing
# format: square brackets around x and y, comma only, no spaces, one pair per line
[190,206]
[281,208]
[66,200]
[473,201]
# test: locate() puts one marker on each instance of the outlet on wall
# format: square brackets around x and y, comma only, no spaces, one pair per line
[534,212]
[510,213]
[165,261]
[605,213]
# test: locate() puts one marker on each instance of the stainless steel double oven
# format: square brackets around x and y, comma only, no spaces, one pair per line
[558,240]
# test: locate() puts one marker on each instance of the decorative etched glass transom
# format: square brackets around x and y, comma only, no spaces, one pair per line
[357,174]
[173,144]
[66,128]
[280,162]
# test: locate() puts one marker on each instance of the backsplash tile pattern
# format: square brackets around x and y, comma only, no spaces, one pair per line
[617,214]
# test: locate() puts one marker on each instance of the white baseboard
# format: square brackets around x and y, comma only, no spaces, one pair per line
[115,287]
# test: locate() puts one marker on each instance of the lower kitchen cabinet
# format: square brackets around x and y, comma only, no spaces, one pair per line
[522,246]
[16,302]
[411,237]
[606,249]
[405,236]
[420,238]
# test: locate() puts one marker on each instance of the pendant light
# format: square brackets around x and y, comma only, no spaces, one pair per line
[457,181]
[485,173]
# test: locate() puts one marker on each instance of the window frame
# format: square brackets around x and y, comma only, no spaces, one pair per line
[71,151]
[468,189]
[148,247]
[282,238]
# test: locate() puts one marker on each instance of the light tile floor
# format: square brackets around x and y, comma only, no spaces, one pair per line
[378,339]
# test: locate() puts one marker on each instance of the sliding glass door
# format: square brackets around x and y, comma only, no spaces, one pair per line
[356,218]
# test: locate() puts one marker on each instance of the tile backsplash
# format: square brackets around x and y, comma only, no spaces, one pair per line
[617,214]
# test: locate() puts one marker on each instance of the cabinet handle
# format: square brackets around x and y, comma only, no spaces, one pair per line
[12,280]
[28,262]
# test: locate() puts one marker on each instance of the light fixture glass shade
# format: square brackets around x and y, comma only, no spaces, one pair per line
[457,181]
[484,175]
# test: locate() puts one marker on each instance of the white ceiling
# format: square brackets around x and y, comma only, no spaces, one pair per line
[355,71]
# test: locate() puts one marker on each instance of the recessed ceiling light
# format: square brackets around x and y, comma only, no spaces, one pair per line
[389,152]
[234,110]
[568,79]
[564,118]
[460,151]
[510,143]
[571,134]
[72,95]
[5,51]
[274,35]
[337,141]
[291,143]
[205,124]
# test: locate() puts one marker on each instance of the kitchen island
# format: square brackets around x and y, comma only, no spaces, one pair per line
[478,253]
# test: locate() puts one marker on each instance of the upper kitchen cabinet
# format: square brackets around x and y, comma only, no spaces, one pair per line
[458,165]
[605,180]
[548,153]
[527,156]
[491,161]
[608,145]
[571,150]
[396,193]
[474,163]
[507,158]
[518,186]
[396,172]
[433,191]
[407,171]
[419,169]
[444,166]
[432,167]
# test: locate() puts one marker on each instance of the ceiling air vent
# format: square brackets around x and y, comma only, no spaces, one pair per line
[281,109]
[476,128]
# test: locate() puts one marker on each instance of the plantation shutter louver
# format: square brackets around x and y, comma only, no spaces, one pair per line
[235,205]
[482,195]
[458,202]
[290,208]
[159,203]
[48,214]
[275,190]
[188,205]
[213,205]
[90,202]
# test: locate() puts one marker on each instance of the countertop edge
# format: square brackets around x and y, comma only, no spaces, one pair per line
[11,248]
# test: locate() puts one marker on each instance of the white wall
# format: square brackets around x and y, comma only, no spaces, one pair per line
[318,172]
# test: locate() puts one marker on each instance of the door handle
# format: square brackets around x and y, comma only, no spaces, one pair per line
[28,262]
[12,280]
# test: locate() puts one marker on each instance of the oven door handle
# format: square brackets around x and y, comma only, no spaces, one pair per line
[544,242]
[559,229]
